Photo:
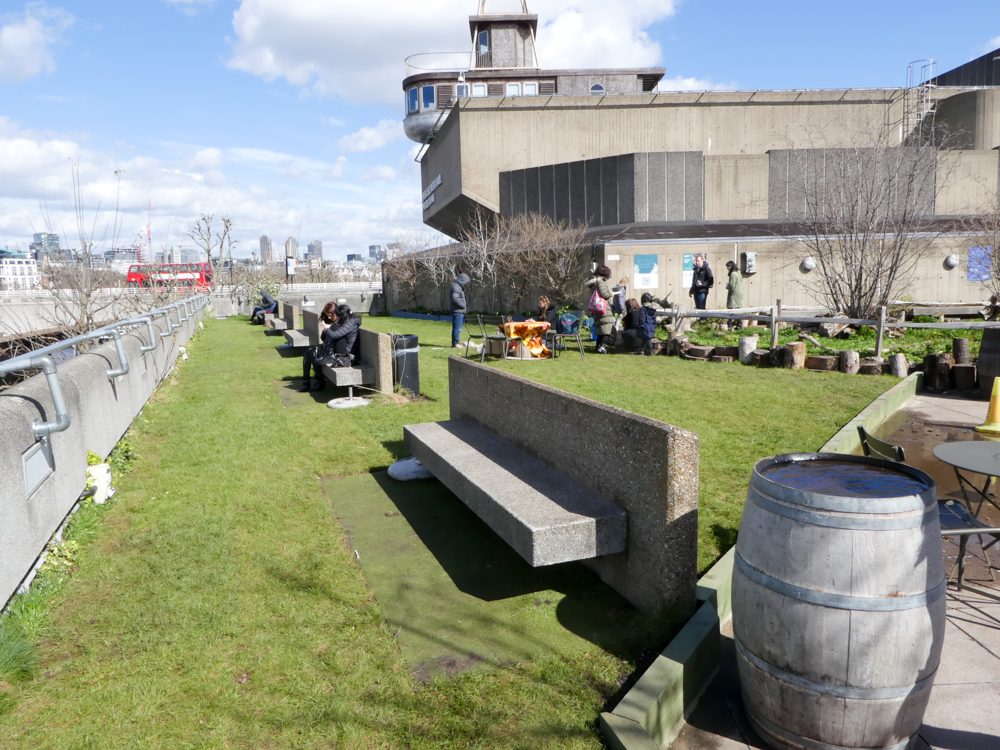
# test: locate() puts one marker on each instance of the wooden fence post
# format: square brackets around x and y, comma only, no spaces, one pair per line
[775,313]
[880,333]
[678,316]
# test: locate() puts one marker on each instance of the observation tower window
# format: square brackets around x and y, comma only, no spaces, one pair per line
[462,91]
[428,96]
[513,89]
[479,89]
[597,89]
[531,88]
[483,42]
[412,101]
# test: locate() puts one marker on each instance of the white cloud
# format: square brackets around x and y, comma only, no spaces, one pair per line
[334,122]
[250,185]
[679,83]
[371,138]
[992,44]
[26,40]
[380,172]
[191,7]
[346,50]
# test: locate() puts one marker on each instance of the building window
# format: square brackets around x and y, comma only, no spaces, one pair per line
[513,89]
[597,89]
[428,95]
[412,101]
[531,89]
[479,89]
[462,91]
[483,42]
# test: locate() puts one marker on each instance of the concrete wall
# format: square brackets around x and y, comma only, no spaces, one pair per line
[100,413]
[968,182]
[376,351]
[736,187]
[647,468]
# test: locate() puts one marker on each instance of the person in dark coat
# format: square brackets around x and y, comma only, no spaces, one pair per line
[268,304]
[458,306]
[701,282]
[337,338]
[648,326]
[603,324]
[633,333]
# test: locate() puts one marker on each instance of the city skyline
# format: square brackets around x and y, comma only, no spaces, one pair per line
[289,120]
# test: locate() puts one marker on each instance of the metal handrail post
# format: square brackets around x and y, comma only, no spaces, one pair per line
[44,362]
[123,367]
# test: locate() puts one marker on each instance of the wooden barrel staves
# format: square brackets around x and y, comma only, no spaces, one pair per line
[838,601]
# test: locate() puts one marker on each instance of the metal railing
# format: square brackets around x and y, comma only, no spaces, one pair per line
[42,359]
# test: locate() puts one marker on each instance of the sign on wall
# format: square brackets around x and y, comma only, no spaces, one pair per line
[646,272]
[687,276]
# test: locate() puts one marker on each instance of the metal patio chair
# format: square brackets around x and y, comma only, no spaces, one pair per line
[876,448]
[493,330]
[557,338]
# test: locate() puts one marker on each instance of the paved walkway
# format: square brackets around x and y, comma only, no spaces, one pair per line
[964,710]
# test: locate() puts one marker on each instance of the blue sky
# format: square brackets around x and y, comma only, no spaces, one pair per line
[285,114]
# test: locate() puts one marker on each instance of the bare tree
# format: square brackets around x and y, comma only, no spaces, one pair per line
[201,234]
[865,213]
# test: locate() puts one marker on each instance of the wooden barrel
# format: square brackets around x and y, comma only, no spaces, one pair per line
[838,601]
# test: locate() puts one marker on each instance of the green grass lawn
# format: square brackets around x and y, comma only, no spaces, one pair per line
[217,603]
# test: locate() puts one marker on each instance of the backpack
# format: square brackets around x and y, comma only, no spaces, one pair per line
[598,305]
[568,323]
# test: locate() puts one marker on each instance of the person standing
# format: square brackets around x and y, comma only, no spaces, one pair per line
[458,306]
[604,322]
[734,286]
[701,282]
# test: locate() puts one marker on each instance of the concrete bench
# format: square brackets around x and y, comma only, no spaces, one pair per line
[373,366]
[560,478]
[542,513]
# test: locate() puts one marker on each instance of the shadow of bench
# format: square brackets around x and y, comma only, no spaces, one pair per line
[561,478]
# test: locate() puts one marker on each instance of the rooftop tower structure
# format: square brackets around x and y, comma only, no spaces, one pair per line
[503,63]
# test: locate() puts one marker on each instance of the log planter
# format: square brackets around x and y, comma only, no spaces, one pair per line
[838,600]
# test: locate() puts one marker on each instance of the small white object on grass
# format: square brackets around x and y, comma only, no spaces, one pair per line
[408,469]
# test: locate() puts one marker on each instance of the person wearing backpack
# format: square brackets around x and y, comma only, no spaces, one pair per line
[600,310]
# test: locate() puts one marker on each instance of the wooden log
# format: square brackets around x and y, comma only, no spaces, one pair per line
[965,377]
[795,355]
[727,351]
[945,378]
[760,357]
[778,357]
[930,373]
[898,367]
[720,357]
[960,350]
[795,576]
[658,347]
[700,352]
[873,368]
[849,361]
[746,347]
[823,363]
[695,359]
[677,344]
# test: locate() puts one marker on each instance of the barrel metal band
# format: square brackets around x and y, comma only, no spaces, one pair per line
[837,691]
[773,505]
[795,740]
[842,503]
[841,601]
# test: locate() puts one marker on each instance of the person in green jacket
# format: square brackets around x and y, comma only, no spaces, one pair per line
[735,286]
[603,324]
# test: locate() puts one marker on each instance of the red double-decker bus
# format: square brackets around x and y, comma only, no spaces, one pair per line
[195,276]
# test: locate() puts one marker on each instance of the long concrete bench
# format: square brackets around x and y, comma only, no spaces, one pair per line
[373,366]
[560,478]
[275,320]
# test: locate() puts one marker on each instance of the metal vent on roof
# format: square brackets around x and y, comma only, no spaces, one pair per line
[496,89]
[444,94]
[649,82]
[547,88]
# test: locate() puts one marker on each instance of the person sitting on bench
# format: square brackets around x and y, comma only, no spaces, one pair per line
[268,304]
[337,342]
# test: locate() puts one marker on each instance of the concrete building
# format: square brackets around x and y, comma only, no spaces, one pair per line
[355,258]
[315,250]
[266,250]
[292,248]
[43,244]
[18,271]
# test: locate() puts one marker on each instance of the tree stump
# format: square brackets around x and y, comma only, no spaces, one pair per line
[945,377]
[931,373]
[850,362]
[677,344]
[795,355]
[746,347]
[965,377]
[823,363]
[720,357]
[726,351]
[760,357]
[960,350]
[700,352]
[777,356]
[898,366]
[658,347]
[870,367]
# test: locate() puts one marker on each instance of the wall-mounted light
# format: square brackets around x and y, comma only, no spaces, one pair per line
[952,260]
[808,264]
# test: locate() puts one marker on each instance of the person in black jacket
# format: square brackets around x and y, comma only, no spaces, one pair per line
[701,282]
[457,305]
[337,338]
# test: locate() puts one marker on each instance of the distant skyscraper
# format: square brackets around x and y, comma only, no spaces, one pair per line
[354,257]
[316,250]
[266,249]
[374,250]
[44,244]
[291,248]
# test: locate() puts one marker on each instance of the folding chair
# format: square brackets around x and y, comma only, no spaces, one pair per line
[493,330]
[957,521]
[557,338]
[876,448]
[470,331]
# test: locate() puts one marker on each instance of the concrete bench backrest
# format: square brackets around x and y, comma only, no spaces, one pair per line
[376,351]
[647,468]
[310,324]
[290,314]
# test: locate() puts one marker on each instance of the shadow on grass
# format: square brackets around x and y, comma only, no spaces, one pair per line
[725,537]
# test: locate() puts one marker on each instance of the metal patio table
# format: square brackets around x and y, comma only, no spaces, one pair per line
[976,457]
